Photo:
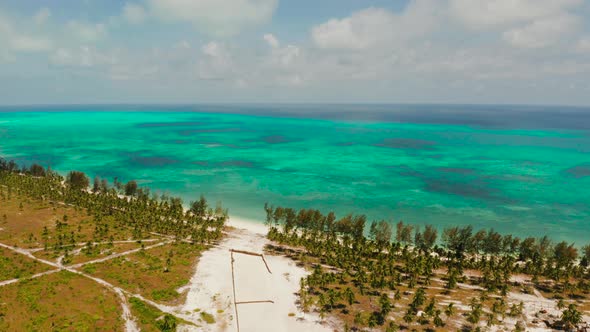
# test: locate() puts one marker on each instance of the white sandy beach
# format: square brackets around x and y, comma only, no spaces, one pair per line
[210,289]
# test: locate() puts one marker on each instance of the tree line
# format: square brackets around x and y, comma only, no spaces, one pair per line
[127,204]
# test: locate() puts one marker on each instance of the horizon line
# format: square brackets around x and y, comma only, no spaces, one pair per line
[181,104]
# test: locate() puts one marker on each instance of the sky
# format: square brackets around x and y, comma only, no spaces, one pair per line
[295,51]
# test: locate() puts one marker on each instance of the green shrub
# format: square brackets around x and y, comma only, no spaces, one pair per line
[208,318]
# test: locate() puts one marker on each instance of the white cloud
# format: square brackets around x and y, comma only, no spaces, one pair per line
[133,72]
[30,43]
[285,61]
[583,45]
[428,49]
[216,63]
[493,13]
[287,55]
[217,17]
[520,23]
[248,68]
[88,32]
[214,50]
[81,57]
[282,56]
[14,39]
[355,32]
[376,26]
[134,13]
[6,58]
[338,34]
[271,40]
[42,15]
[542,32]
[183,44]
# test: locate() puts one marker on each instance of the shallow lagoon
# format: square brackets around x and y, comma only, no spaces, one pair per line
[518,171]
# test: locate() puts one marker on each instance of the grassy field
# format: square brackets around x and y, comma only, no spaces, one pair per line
[85,253]
[14,266]
[154,273]
[151,319]
[29,223]
[65,301]
[45,304]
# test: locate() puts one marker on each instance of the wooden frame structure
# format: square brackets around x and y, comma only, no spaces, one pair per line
[233,280]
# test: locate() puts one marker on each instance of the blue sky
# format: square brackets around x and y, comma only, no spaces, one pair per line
[201,51]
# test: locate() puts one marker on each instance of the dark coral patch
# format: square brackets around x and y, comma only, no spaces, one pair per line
[272,139]
[457,170]
[236,163]
[152,161]
[578,171]
[469,186]
[44,159]
[210,130]
[276,139]
[472,189]
[407,143]
[225,164]
[169,124]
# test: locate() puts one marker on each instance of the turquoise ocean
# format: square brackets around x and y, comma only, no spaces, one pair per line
[520,170]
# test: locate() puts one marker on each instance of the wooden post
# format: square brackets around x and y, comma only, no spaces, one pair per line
[252,254]
[233,281]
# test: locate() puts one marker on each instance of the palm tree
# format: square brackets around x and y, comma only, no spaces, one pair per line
[571,317]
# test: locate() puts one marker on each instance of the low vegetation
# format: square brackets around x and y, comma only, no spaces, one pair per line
[156,273]
[152,319]
[207,317]
[45,304]
[14,266]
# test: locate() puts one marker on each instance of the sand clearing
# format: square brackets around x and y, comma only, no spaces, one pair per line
[210,289]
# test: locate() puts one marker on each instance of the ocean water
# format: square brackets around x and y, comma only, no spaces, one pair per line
[520,170]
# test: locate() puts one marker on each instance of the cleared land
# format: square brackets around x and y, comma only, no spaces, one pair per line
[156,273]
[15,266]
[45,304]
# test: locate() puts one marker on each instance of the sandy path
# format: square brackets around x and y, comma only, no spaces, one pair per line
[12,281]
[97,243]
[210,288]
[124,253]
